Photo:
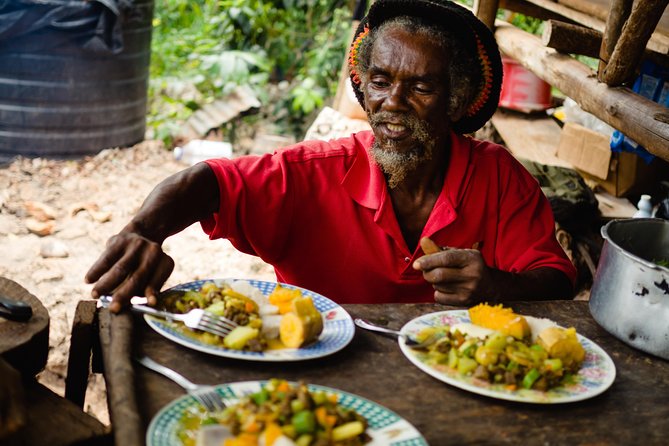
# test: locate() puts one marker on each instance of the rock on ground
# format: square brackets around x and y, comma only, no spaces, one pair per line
[55,218]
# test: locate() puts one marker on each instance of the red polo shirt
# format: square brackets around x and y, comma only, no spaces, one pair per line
[320,213]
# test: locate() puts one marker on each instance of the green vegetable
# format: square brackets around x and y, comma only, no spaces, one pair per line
[530,378]
[466,365]
[304,422]
[217,308]
[304,440]
[347,430]
[260,397]
[554,365]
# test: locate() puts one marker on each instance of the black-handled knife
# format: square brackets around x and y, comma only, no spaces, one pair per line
[15,309]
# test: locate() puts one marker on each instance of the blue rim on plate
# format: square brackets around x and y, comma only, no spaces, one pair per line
[596,374]
[385,427]
[338,328]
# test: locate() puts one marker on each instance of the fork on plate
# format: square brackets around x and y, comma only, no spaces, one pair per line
[203,394]
[197,319]
[408,340]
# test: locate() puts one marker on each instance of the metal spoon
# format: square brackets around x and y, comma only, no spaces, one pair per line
[408,340]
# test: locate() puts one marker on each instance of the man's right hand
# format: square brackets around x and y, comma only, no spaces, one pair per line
[131,265]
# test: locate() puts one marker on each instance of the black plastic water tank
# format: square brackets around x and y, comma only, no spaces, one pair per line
[65,94]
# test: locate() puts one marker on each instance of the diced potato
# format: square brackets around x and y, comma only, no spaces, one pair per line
[239,336]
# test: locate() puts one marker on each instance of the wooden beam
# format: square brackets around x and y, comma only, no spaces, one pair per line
[486,11]
[594,9]
[529,9]
[639,118]
[571,39]
[618,14]
[633,40]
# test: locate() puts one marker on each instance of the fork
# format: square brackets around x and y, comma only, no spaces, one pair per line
[408,340]
[204,394]
[197,318]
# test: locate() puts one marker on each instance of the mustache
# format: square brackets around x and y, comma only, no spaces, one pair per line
[408,120]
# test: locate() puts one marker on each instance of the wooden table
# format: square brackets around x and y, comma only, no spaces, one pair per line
[632,411]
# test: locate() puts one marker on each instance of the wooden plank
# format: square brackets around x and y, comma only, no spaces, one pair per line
[79,358]
[526,8]
[639,118]
[534,138]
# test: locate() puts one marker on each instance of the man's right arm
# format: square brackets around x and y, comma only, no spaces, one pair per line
[133,263]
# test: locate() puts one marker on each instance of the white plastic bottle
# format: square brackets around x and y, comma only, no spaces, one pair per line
[645,207]
[199,150]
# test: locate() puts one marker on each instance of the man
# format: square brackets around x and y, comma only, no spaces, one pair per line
[352,218]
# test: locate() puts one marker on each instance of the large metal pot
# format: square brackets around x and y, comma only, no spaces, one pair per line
[630,292]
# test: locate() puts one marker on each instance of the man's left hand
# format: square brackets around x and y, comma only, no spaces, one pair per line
[458,276]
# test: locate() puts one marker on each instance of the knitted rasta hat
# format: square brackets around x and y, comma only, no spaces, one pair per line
[473,35]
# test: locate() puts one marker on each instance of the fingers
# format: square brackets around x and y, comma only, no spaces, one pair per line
[131,266]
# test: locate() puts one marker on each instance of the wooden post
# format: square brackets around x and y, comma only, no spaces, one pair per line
[618,14]
[571,39]
[641,119]
[79,358]
[486,11]
[116,343]
[633,40]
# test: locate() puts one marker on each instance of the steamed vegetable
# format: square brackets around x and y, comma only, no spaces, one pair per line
[302,324]
[562,344]
[500,319]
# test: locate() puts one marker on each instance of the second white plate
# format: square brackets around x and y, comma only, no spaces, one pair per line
[597,372]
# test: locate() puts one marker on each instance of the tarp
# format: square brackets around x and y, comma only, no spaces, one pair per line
[38,25]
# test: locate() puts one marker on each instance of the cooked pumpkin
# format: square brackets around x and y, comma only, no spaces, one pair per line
[500,319]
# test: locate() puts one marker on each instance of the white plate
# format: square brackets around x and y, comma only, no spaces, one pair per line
[337,332]
[385,427]
[595,376]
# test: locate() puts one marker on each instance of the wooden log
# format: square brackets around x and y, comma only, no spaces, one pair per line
[486,11]
[116,344]
[79,358]
[633,40]
[618,14]
[639,118]
[574,39]
[658,42]
[571,39]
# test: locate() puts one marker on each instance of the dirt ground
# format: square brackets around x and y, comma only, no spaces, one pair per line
[55,217]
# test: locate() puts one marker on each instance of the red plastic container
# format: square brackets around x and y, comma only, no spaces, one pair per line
[522,90]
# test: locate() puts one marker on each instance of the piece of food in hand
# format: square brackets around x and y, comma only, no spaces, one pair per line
[500,319]
[428,246]
[240,336]
[562,343]
[302,325]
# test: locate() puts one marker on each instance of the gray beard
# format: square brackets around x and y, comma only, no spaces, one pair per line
[398,165]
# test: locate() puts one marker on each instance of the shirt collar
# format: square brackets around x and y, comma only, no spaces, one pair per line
[366,184]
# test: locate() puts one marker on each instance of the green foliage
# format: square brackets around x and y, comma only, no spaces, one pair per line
[203,48]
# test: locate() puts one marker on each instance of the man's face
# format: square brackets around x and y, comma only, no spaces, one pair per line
[406,98]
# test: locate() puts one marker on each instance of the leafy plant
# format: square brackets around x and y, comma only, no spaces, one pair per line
[203,48]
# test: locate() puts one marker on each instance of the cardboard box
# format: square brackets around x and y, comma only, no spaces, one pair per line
[618,173]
